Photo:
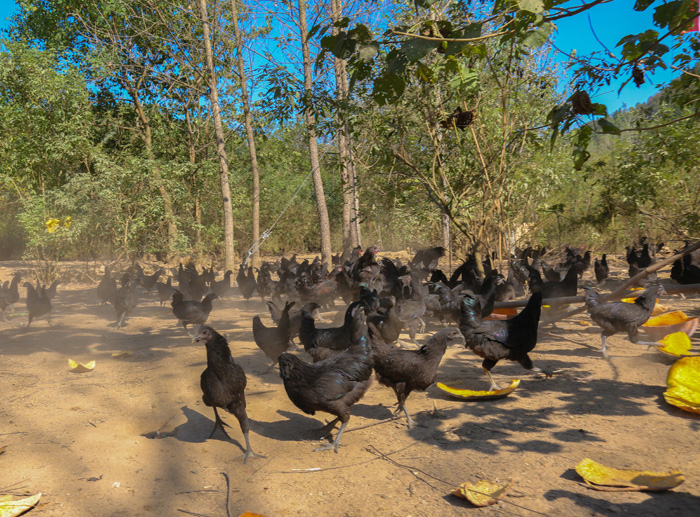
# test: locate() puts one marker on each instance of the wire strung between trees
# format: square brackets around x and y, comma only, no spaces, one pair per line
[256,245]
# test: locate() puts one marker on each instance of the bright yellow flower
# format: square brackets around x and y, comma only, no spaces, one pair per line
[52,225]
[67,222]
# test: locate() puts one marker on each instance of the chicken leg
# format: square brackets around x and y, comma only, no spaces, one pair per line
[494,386]
[335,443]
[219,424]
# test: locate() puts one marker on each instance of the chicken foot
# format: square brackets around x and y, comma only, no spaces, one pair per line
[249,451]
[219,424]
[334,445]
[494,386]
[411,423]
[547,373]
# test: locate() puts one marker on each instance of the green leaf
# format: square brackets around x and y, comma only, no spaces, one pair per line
[608,127]
[397,62]
[425,73]
[641,5]
[388,88]
[423,3]
[664,13]
[471,31]
[342,23]
[415,48]
[313,31]
[533,6]
[339,44]
[539,36]
[367,52]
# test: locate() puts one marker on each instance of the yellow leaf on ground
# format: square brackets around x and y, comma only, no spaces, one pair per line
[480,395]
[483,493]
[80,367]
[13,508]
[676,344]
[683,384]
[599,476]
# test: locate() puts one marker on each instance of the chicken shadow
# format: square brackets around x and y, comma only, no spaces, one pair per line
[657,503]
[197,429]
[294,428]
[494,425]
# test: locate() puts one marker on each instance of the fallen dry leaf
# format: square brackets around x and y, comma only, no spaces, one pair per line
[80,367]
[683,384]
[483,493]
[676,344]
[480,395]
[599,477]
[13,508]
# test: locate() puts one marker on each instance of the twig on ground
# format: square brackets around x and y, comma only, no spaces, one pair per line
[228,494]
[319,469]
[413,471]
[557,336]
[395,417]
[193,513]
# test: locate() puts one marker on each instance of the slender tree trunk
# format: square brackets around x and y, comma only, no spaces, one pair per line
[351,220]
[324,225]
[220,141]
[193,160]
[255,259]
[147,138]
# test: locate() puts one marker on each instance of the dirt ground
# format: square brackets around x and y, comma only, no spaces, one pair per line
[130,437]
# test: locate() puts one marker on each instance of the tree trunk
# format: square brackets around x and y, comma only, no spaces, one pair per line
[197,197]
[220,142]
[351,220]
[168,213]
[255,259]
[310,120]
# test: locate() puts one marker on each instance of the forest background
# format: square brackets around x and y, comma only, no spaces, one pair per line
[177,127]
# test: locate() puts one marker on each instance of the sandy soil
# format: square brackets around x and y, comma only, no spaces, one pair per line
[130,437]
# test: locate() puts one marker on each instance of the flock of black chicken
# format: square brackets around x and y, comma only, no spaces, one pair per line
[384,298]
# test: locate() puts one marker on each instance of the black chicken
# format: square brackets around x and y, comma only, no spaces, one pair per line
[567,287]
[51,290]
[165,291]
[614,317]
[125,299]
[601,269]
[223,384]
[38,304]
[9,294]
[294,319]
[192,312]
[386,320]
[148,282]
[405,371]
[246,282]
[107,288]
[685,271]
[336,338]
[222,287]
[509,339]
[273,341]
[332,385]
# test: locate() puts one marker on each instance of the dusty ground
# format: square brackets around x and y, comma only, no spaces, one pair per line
[86,441]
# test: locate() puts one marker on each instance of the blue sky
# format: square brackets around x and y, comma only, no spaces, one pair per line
[610,22]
